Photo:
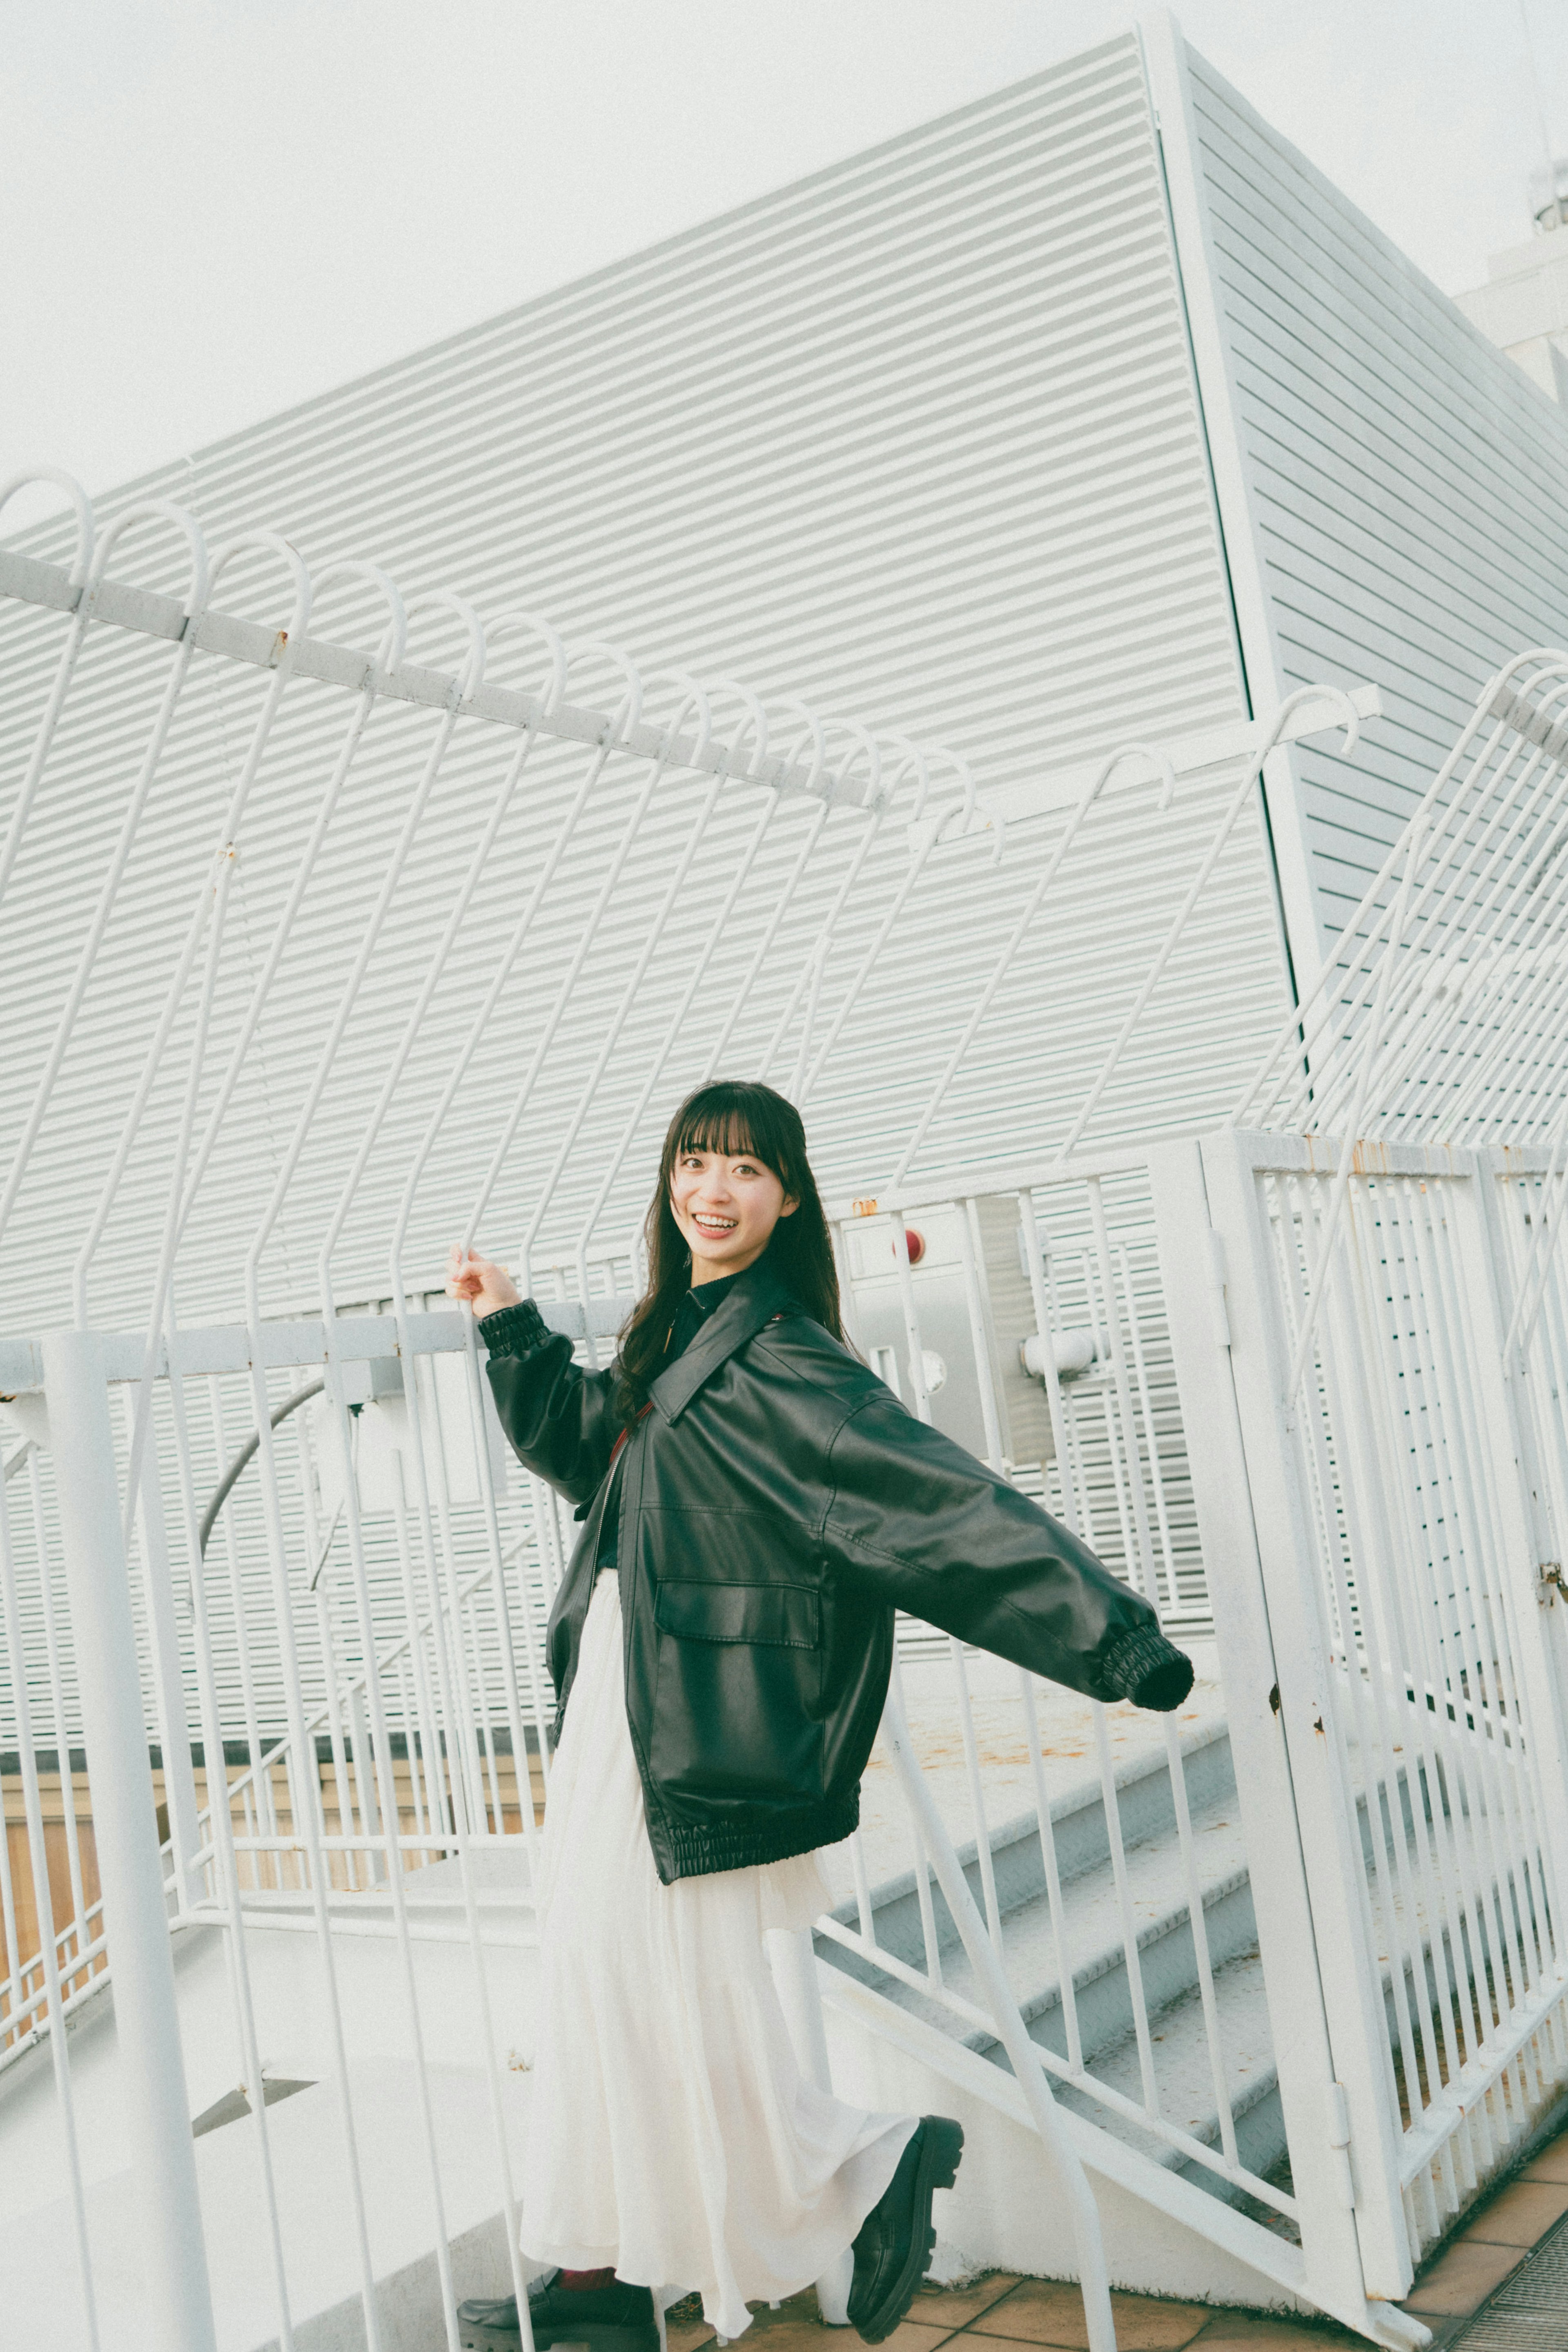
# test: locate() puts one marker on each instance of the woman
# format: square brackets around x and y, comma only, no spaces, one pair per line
[758,1503]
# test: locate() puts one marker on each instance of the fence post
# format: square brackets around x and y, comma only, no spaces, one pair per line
[152,2072]
[163,1636]
[1323,1804]
[1192,1279]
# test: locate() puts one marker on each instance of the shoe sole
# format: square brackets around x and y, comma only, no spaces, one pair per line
[941,2151]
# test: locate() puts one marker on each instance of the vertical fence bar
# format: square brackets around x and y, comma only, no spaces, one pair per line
[220,1832]
[44,1553]
[1201,1338]
[152,2068]
[1287,1635]
[1035,1258]
[1023,2055]
[43,1903]
[173,1728]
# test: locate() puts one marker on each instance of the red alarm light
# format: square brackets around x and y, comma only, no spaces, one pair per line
[916,1242]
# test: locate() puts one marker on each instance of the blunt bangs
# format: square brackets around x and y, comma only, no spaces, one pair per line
[741,1121]
[740,1118]
[723,1127]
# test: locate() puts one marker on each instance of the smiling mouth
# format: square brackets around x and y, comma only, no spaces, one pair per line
[714,1224]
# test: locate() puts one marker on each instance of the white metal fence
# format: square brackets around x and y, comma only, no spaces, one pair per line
[348,1711]
[1115,1472]
[1290,1960]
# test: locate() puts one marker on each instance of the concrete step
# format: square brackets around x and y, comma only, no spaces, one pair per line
[1184,2078]
[1091,1924]
[1081,1833]
[1092,1930]
[37,2255]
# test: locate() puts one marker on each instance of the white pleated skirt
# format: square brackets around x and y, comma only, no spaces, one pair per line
[671,2132]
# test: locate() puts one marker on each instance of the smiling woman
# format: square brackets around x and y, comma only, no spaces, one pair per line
[733,1168]
[758,1505]
[726,1209]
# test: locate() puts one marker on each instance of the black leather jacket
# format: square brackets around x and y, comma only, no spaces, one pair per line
[775,1506]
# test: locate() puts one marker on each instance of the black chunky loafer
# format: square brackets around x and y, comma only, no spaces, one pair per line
[895,2245]
[613,2319]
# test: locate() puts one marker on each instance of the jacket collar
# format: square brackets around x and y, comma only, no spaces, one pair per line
[756,1298]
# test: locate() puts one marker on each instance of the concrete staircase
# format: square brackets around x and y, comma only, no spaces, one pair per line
[1156,1896]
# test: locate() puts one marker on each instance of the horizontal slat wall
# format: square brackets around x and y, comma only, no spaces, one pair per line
[1409,484]
[1049,1026]
[916,439]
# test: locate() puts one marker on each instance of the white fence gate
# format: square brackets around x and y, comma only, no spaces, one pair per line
[1417,1692]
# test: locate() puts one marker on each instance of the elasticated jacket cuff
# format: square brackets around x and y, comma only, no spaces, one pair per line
[1144,1666]
[514,1330]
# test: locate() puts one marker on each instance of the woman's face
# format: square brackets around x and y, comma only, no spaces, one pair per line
[726,1208]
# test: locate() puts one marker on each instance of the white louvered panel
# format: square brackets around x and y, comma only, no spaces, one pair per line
[917,432]
[1409,485]
[917,439]
[1030,1068]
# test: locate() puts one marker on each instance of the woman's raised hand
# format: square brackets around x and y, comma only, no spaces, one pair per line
[484,1287]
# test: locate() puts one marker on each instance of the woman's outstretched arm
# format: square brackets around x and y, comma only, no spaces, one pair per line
[913,1518]
[560,1421]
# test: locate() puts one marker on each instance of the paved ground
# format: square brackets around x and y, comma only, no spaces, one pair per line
[1492,2242]
[1002,2314]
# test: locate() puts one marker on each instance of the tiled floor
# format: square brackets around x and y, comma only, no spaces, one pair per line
[1002,2314]
[1488,2247]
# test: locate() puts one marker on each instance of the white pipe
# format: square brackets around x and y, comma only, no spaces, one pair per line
[1031,909]
[813,789]
[1486,828]
[717,931]
[1300,1030]
[153,2100]
[1320,1273]
[44,1906]
[1237,802]
[220,1831]
[920,854]
[815,961]
[693,695]
[109,890]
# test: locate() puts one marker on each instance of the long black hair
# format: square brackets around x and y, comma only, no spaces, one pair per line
[739,1118]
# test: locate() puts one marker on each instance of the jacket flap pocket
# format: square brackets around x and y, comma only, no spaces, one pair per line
[785,1614]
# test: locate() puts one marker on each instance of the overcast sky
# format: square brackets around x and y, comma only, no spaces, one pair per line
[215,208]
